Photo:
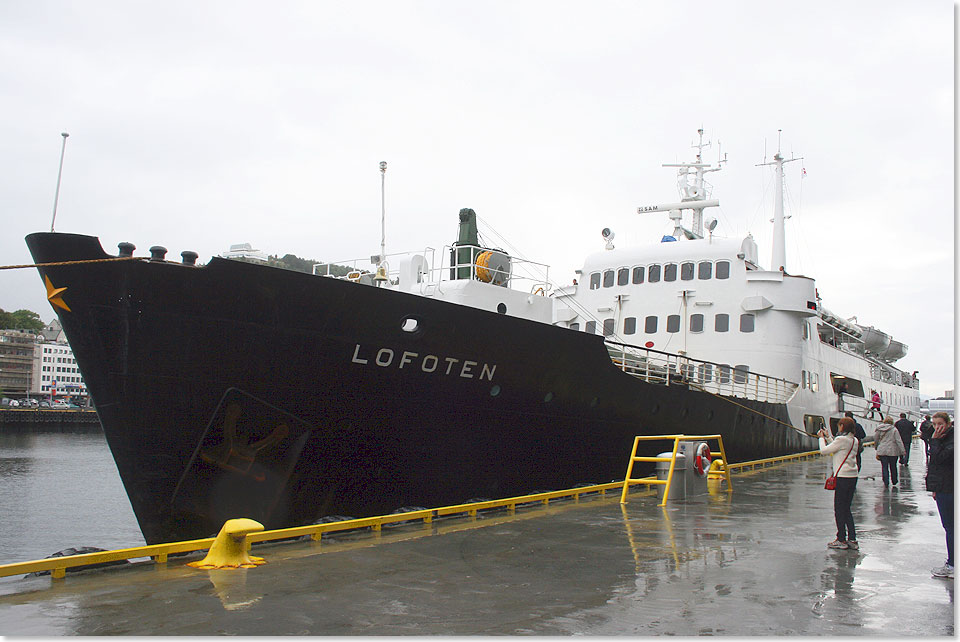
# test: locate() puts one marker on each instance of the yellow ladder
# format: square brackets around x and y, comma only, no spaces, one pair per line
[673,461]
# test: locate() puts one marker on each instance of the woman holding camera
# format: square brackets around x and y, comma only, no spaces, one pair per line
[843,449]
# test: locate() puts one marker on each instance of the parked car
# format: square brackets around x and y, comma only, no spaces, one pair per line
[60,405]
[44,403]
[29,403]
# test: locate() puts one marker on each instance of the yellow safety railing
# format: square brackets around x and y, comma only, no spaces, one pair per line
[160,552]
[672,459]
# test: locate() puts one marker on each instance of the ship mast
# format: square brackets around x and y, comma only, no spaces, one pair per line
[779,256]
[694,193]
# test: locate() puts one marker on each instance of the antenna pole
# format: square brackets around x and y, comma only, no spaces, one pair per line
[383,214]
[56,196]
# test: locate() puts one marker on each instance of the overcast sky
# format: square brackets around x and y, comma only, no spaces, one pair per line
[195,125]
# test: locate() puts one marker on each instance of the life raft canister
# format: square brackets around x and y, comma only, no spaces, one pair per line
[701,463]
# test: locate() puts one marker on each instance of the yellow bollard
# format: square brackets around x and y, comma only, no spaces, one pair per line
[229,550]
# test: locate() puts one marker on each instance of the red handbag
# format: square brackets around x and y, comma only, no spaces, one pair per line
[831,483]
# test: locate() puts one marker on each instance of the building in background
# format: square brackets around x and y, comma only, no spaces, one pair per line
[55,373]
[16,361]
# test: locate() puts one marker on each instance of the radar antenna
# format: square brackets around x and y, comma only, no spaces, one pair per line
[694,193]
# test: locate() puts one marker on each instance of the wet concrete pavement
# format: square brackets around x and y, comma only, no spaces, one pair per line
[753,562]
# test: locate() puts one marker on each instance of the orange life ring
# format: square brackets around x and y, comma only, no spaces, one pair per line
[701,463]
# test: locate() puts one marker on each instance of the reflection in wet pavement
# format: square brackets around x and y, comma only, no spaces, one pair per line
[753,562]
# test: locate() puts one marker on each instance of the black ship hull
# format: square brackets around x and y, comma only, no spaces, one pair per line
[240,390]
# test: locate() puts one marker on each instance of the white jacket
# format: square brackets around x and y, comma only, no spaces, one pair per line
[839,448]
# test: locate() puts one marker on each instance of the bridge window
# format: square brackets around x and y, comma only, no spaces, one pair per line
[591,327]
[746,322]
[623,276]
[696,323]
[638,274]
[723,269]
[673,323]
[594,280]
[653,273]
[721,323]
[608,279]
[686,271]
[630,325]
[608,327]
[670,272]
[704,270]
[650,325]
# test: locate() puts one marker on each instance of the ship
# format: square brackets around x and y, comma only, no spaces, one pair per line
[238,389]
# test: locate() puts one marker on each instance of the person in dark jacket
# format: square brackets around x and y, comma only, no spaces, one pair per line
[860,434]
[926,431]
[906,428]
[939,481]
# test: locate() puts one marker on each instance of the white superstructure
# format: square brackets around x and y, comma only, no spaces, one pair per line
[694,308]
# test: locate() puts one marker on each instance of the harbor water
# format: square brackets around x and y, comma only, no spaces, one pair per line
[60,490]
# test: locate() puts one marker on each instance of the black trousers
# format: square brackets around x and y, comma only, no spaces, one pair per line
[842,498]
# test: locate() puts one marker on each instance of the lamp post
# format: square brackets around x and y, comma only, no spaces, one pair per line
[56,196]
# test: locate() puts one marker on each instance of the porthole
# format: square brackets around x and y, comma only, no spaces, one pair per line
[594,402]
[495,390]
[410,324]
[547,398]
[502,308]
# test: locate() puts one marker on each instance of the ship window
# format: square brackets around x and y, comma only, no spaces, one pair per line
[724,375]
[594,280]
[803,379]
[705,372]
[653,273]
[638,274]
[806,330]
[686,271]
[608,279]
[673,323]
[812,423]
[746,322]
[740,373]
[670,272]
[410,324]
[815,382]
[574,326]
[650,325]
[696,323]
[704,270]
[721,323]
[630,325]
[608,327]
[623,276]
[723,269]
[591,327]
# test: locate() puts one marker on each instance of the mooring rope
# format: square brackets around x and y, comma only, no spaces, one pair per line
[748,408]
[40,265]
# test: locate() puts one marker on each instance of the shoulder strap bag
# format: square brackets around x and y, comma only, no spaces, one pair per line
[831,483]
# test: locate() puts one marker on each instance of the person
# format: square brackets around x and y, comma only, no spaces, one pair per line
[860,434]
[926,431]
[874,406]
[889,448]
[906,428]
[939,481]
[845,469]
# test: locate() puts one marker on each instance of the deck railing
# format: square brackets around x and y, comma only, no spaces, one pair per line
[654,366]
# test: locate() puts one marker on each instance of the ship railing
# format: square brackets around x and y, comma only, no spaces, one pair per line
[368,265]
[668,369]
[521,274]
[860,407]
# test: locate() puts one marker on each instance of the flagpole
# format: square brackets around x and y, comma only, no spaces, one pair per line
[56,196]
